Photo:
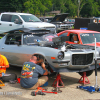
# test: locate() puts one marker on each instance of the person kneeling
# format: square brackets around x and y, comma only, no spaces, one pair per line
[30,72]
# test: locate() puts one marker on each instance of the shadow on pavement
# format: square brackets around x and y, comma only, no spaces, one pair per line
[67,80]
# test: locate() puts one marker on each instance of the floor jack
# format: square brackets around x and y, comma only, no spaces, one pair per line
[94,88]
[56,84]
[41,91]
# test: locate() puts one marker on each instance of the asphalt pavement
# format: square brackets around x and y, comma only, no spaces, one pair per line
[70,92]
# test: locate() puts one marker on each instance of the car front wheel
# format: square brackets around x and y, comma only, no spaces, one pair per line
[52,73]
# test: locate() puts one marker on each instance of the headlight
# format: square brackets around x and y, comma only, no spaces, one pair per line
[61,55]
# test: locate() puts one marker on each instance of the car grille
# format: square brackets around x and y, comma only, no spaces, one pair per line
[52,29]
[65,27]
[82,59]
[49,27]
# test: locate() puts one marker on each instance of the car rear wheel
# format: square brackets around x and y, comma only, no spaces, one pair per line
[88,73]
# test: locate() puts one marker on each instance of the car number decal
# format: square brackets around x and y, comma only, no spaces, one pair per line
[28,36]
[84,34]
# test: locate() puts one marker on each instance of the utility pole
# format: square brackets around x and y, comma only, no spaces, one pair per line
[78,8]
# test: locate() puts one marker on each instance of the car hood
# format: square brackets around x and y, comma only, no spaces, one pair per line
[93,44]
[60,17]
[39,24]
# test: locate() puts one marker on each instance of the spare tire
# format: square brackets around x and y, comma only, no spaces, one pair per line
[88,73]
[11,76]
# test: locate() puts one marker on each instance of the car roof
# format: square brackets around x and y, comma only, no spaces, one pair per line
[80,31]
[16,13]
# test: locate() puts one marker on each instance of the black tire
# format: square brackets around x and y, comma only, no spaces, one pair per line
[12,76]
[88,73]
[49,69]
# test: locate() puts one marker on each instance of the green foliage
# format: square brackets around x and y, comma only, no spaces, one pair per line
[90,9]
[37,6]
[84,8]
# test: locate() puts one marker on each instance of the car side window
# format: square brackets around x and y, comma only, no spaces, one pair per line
[71,37]
[12,39]
[64,34]
[6,17]
[14,17]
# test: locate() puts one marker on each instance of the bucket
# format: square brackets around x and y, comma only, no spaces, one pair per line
[45,84]
[18,80]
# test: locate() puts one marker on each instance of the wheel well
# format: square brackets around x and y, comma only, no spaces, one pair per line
[38,56]
[45,61]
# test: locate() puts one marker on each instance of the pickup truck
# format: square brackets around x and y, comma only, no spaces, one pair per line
[59,21]
[13,20]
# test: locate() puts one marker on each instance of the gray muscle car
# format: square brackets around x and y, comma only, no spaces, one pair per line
[20,44]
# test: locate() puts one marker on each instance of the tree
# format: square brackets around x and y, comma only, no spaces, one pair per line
[90,9]
[37,6]
[79,4]
[60,5]
[12,5]
[71,8]
[45,6]
[17,5]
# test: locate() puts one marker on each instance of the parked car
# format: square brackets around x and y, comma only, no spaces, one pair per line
[20,44]
[14,20]
[85,37]
[59,21]
[70,21]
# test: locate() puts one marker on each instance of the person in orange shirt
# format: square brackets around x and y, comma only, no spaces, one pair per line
[3,65]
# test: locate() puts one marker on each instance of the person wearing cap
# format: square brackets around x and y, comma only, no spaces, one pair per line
[30,72]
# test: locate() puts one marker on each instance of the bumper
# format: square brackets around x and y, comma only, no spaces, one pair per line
[60,61]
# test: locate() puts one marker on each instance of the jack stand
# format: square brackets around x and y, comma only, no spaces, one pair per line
[56,84]
[58,81]
[84,81]
[57,89]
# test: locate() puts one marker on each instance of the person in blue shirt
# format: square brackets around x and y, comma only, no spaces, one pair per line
[30,72]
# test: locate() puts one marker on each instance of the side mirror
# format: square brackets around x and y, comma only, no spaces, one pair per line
[17,21]
[17,43]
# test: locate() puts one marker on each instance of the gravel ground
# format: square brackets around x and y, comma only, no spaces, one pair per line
[70,92]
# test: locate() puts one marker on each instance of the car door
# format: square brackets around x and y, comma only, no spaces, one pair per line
[11,49]
[7,23]
[16,25]
[71,37]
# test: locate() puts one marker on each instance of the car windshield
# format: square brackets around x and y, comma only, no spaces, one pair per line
[49,19]
[88,38]
[32,38]
[30,18]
